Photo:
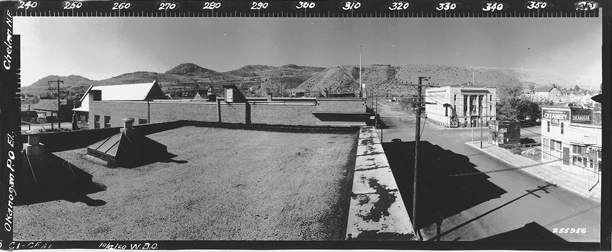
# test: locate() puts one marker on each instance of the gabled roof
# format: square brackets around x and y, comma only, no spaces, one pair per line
[129,92]
[48,104]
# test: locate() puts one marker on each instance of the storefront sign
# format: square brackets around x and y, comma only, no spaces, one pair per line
[581,116]
[555,115]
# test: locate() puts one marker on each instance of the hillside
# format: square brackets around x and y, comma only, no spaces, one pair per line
[190,69]
[380,79]
[387,79]
[74,83]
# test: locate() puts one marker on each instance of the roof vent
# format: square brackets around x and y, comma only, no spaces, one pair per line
[127,148]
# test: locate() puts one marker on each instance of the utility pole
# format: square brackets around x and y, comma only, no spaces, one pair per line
[376,115]
[480,118]
[417,138]
[360,85]
[29,120]
[59,124]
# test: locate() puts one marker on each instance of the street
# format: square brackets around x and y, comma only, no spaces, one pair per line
[466,195]
[44,126]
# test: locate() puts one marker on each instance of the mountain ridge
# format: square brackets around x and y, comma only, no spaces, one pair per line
[379,78]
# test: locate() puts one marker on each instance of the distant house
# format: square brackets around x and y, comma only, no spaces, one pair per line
[46,110]
[547,92]
[126,92]
[527,91]
[299,92]
[208,95]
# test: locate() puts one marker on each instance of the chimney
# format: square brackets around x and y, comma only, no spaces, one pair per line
[211,95]
[269,96]
[34,147]
[127,126]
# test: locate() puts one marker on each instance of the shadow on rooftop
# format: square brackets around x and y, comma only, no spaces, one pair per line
[48,177]
[150,159]
[439,195]
[531,232]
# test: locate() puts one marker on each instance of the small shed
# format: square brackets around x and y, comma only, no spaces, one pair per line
[504,133]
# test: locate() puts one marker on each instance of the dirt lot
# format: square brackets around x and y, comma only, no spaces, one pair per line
[222,185]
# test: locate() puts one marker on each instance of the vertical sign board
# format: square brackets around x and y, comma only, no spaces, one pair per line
[229,95]
[555,115]
[10,147]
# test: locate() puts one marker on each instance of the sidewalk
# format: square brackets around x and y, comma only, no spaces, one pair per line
[553,173]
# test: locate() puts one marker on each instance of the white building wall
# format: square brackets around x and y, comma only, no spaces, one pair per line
[453,96]
[577,138]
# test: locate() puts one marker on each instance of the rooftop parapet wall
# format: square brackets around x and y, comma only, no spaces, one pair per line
[377,211]
[341,105]
[294,112]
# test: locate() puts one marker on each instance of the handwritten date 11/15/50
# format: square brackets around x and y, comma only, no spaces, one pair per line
[569,230]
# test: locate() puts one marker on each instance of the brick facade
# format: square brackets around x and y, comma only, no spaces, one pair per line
[260,112]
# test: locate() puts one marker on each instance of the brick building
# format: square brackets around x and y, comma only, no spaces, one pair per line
[105,109]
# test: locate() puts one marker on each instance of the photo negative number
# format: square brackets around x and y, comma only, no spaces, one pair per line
[27,4]
[446,6]
[569,230]
[305,5]
[211,5]
[259,5]
[71,5]
[121,5]
[351,5]
[399,5]
[167,6]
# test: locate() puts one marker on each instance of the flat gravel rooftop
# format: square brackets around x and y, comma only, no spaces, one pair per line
[223,184]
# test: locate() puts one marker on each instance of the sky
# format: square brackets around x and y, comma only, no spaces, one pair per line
[103,47]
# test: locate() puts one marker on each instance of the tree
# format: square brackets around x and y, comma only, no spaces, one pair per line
[506,109]
[531,86]
[509,97]
[528,110]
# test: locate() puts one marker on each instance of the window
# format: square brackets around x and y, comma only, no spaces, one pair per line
[545,148]
[561,128]
[107,122]
[455,96]
[142,121]
[547,126]
[96,121]
[557,144]
[465,105]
